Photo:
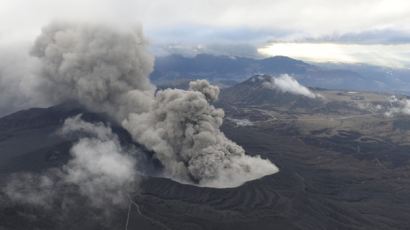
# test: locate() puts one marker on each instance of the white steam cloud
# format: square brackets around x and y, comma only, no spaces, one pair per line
[106,69]
[102,168]
[103,171]
[288,84]
[241,122]
[398,106]
[32,188]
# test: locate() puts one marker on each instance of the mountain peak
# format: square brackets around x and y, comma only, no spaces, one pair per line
[280,90]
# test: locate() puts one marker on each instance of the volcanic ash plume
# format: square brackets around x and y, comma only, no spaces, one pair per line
[182,128]
[107,70]
[101,67]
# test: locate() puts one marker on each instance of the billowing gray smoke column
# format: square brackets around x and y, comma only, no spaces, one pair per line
[107,70]
[182,128]
[103,68]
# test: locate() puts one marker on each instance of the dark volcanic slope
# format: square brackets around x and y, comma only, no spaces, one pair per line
[318,187]
[29,139]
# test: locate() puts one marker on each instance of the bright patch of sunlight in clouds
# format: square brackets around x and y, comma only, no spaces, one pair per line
[394,55]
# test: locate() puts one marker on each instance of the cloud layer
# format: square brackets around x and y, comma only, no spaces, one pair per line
[314,17]
[220,26]
[390,55]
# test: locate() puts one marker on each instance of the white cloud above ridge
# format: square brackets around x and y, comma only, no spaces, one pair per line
[288,84]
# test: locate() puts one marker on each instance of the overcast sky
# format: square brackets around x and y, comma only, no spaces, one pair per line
[369,31]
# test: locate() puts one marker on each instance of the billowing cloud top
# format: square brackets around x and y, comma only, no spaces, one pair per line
[97,65]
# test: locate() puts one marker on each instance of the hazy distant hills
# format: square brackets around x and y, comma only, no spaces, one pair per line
[226,71]
[176,67]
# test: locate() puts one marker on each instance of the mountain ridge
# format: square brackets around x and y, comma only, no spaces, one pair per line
[227,70]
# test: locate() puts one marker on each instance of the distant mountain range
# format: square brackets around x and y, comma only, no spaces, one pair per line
[220,68]
[226,71]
